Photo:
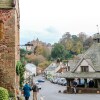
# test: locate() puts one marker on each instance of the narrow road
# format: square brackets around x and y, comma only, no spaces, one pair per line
[50,92]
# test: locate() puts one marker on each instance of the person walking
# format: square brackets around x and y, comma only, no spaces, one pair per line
[27,90]
[91,84]
[35,90]
[74,86]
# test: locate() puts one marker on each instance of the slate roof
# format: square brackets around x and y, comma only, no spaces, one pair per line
[72,63]
[92,56]
[69,75]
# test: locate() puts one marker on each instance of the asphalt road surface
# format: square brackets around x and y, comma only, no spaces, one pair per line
[49,91]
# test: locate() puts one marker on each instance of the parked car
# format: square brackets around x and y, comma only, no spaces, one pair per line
[62,81]
[54,81]
[51,80]
[41,80]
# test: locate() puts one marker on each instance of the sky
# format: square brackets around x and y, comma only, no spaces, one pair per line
[48,20]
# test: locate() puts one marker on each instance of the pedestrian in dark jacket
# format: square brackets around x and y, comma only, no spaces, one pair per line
[91,84]
[35,90]
[74,86]
[27,90]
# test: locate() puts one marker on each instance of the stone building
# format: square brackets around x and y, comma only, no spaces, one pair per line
[9,43]
[37,42]
[87,67]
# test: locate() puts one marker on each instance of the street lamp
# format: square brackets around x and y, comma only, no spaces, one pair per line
[97,28]
[28,44]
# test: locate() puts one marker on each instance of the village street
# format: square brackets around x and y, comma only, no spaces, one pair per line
[50,92]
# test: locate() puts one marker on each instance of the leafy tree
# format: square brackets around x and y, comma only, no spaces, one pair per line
[58,51]
[69,45]
[82,36]
[68,55]
[75,38]
[79,47]
[44,64]
[88,43]
[38,50]
[23,52]
[46,52]
[36,59]
[65,38]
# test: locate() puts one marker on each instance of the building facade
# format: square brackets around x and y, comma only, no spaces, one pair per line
[9,43]
[87,67]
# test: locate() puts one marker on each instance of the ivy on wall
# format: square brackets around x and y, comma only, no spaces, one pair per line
[20,71]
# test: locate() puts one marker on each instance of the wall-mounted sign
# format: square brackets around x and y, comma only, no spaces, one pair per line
[6,3]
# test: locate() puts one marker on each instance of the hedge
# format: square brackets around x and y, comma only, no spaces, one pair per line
[4,94]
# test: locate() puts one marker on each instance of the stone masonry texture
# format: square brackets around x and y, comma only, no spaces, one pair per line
[9,49]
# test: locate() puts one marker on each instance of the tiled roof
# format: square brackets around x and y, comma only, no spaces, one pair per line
[81,75]
[94,54]
[72,64]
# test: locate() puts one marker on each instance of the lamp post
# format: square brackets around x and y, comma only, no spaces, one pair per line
[97,28]
[28,44]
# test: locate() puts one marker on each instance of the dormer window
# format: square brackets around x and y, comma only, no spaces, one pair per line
[84,69]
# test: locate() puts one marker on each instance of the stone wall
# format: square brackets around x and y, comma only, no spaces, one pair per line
[9,55]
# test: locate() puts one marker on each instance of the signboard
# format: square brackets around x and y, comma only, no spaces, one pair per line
[6,3]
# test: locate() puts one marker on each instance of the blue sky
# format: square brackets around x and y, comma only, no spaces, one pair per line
[48,20]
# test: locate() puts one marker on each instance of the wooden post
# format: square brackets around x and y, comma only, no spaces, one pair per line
[85,82]
[96,83]
[69,85]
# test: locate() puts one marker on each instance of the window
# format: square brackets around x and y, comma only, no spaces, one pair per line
[1,29]
[84,69]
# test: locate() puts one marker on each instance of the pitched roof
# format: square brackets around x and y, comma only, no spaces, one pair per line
[93,53]
[87,60]
[72,64]
[69,75]
[92,57]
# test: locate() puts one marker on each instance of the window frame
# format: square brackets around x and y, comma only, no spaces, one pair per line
[84,68]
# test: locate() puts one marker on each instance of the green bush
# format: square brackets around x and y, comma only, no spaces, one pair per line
[4,94]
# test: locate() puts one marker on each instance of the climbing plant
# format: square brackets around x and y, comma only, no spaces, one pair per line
[20,71]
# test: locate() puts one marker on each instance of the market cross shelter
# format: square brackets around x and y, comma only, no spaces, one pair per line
[87,67]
